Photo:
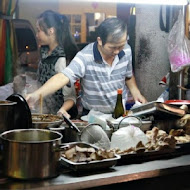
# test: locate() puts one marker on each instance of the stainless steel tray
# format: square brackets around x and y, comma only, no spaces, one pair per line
[184,145]
[158,110]
[140,157]
[88,166]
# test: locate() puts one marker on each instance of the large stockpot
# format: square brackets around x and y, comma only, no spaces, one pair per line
[31,153]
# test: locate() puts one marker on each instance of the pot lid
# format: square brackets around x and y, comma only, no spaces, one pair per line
[22,113]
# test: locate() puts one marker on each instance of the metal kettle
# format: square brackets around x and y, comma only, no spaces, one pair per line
[22,115]
[6,115]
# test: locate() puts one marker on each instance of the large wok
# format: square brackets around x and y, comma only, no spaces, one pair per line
[46,121]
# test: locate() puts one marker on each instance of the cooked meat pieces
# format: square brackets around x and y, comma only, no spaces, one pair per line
[45,118]
[183,139]
[79,149]
[105,153]
[170,140]
[162,133]
[140,145]
[93,156]
[130,150]
[159,139]
[85,154]
[70,153]
[180,135]
[178,132]
[82,157]
[162,146]
[150,146]
[154,134]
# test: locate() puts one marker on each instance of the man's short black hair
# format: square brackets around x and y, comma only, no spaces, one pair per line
[111,30]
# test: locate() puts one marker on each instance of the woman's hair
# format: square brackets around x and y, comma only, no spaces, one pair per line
[111,30]
[60,23]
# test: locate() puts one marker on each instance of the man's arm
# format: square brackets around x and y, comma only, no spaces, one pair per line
[52,85]
[67,105]
[68,92]
[135,92]
[69,100]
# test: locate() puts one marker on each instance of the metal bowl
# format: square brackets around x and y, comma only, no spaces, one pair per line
[46,121]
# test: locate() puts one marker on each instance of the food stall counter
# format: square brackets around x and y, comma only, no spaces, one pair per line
[112,176]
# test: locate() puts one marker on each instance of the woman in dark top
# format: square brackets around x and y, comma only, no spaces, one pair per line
[57,50]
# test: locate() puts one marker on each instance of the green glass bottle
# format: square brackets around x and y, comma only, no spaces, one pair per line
[119,110]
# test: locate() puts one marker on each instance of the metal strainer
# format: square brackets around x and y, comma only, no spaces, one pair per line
[92,134]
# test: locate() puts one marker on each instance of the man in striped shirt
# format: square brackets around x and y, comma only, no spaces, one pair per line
[102,67]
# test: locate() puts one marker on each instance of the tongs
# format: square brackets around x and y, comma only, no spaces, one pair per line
[70,123]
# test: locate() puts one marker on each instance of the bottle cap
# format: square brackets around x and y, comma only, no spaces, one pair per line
[119,91]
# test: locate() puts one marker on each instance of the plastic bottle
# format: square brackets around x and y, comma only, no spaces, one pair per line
[119,109]
[164,96]
[130,102]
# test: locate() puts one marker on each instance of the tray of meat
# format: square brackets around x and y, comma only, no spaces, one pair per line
[140,156]
[160,145]
[80,156]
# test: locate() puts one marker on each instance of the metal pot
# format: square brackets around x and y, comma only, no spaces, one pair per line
[70,135]
[31,153]
[6,115]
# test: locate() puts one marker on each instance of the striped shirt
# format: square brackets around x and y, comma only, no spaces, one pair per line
[99,80]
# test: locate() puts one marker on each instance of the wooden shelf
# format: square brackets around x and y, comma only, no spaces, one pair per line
[78,30]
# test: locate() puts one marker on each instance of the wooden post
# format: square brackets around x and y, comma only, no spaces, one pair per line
[187,20]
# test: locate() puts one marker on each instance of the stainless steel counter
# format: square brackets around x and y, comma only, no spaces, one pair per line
[116,175]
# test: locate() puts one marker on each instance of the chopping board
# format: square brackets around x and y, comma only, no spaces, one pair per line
[159,110]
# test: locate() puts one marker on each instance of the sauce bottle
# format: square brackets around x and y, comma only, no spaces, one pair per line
[119,110]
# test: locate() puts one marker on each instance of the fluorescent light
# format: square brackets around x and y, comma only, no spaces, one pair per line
[156,2]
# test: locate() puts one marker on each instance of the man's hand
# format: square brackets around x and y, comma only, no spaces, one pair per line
[32,99]
[63,112]
[131,84]
[140,98]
